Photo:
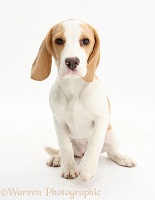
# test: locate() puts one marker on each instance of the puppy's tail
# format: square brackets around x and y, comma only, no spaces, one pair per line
[51,151]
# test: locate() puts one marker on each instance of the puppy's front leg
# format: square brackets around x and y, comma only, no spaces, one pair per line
[68,165]
[89,163]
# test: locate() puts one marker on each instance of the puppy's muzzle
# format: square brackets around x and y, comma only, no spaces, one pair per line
[72,63]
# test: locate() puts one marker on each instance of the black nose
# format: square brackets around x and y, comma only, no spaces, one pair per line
[72,63]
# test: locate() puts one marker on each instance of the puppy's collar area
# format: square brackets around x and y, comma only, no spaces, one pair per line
[72,86]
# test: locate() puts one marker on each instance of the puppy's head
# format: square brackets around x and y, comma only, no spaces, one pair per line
[75,48]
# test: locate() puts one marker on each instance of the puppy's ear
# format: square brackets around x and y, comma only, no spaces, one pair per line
[93,59]
[41,67]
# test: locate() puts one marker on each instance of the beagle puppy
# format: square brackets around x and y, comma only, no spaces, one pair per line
[79,104]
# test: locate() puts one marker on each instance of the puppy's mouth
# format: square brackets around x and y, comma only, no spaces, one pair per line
[72,73]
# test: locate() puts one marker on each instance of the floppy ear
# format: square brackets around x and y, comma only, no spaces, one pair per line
[93,59]
[41,67]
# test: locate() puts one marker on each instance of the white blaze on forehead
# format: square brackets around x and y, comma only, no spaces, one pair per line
[72,47]
[72,31]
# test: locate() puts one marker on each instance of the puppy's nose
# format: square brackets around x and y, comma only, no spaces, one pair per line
[72,63]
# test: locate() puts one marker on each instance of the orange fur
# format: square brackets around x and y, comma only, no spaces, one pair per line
[41,67]
[94,57]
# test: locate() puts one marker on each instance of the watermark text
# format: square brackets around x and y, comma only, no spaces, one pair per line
[51,192]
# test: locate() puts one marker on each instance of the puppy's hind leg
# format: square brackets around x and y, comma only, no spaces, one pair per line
[55,159]
[111,146]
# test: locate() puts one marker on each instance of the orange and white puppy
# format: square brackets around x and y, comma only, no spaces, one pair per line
[78,102]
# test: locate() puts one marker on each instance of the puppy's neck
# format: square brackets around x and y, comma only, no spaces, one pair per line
[72,86]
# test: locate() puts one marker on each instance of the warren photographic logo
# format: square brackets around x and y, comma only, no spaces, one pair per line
[51,192]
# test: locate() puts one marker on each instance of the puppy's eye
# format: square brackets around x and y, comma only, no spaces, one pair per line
[59,41]
[85,41]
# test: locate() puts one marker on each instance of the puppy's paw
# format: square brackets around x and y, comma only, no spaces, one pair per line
[87,170]
[54,161]
[69,172]
[123,160]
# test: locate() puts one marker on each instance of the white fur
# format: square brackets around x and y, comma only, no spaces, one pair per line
[72,49]
[81,115]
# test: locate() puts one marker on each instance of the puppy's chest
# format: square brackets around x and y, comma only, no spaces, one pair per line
[75,105]
[77,116]
[72,108]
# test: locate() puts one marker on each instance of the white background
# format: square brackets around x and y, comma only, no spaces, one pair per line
[127,34]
